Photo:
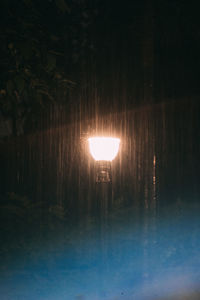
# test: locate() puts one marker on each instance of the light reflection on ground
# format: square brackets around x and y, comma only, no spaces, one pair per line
[130,256]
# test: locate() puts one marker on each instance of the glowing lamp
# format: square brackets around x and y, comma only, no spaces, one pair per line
[104,150]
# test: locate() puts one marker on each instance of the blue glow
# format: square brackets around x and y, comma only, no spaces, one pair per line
[131,255]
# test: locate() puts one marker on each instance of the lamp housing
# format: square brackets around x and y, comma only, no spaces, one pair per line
[103,150]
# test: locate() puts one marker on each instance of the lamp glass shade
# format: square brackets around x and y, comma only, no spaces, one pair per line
[104,148]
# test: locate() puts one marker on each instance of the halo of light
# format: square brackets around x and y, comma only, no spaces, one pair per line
[104,148]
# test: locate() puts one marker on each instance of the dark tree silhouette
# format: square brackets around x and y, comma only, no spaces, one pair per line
[41,42]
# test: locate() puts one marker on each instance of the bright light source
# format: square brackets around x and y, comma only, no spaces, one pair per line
[104,148]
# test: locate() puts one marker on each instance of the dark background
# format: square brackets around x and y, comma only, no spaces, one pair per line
[72,69]
[95,55]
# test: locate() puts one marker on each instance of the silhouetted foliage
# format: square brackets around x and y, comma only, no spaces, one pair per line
[40,43]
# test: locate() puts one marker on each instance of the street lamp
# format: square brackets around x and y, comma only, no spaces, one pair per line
[103,150]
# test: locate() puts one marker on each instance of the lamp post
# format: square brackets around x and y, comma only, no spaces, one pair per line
[103,150]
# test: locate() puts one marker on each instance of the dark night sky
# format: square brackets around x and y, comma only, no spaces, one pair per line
[166,34]
[138,52]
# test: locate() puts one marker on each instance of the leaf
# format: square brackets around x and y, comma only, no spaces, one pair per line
[26,50]
[3,92]
[44,92]
[54,38]
[56,53]
[10,46]
[62,6]
[40,99]
[20,83]
[51,62]
[10,87]
[69,81]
